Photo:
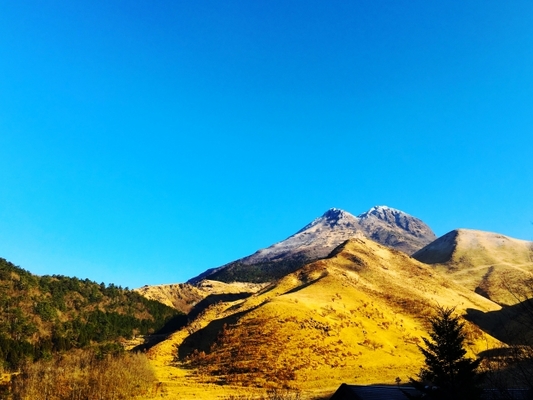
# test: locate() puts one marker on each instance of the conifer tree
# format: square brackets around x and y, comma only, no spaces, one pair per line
[447,373]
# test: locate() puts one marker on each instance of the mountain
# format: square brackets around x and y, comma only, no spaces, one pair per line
[385,225]
[356,315]
[489,263]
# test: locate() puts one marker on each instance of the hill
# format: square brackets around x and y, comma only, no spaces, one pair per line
[355,316]
[489,263]
[385,225]
[42,315]
[185,297]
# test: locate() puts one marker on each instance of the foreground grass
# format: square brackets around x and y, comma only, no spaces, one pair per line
[83,374]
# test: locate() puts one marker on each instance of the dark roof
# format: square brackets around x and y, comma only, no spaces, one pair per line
[357,392]
[508,394]
[381,392]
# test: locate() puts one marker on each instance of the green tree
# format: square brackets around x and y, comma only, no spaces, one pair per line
[447,373]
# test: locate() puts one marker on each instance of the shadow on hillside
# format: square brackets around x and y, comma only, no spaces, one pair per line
[180,321]
[304,285]
[499,352]
[213,299]
[511,325]
[203,339]
[175,323]
[261,272]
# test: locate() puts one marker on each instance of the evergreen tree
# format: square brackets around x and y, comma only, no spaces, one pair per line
[447,373]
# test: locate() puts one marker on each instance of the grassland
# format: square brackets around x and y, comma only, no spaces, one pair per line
[491,264]
[355,317]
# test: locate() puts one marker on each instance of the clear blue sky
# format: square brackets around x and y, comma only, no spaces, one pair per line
[144,142]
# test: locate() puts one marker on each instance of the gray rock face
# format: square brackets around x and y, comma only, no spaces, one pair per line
[385,225]
[396,229]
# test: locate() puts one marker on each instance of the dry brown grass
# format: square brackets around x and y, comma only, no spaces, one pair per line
[82,375]
[183,296]
[356,317]
[482,261]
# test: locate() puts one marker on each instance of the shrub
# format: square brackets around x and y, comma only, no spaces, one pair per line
[82,374]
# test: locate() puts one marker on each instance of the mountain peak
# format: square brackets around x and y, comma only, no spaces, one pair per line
[332,218]
[480,261]
[395,228]
[336,214]
[384,213]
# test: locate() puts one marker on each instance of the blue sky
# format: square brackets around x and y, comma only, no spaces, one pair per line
[145,142]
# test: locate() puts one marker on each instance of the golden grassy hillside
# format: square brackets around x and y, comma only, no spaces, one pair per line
[355,317]
[488,263]
[183,296]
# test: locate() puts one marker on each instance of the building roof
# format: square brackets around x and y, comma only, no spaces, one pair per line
[507,394]
[381,392]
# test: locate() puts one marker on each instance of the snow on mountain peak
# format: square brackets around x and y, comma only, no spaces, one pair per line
[333,217]
[316,240]
[380,218]
[381,212]
[384,224]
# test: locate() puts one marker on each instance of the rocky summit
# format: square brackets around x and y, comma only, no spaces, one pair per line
[395,229]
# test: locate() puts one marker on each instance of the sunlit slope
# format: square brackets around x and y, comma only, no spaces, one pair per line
[486,262]
[184,296]
[353,317]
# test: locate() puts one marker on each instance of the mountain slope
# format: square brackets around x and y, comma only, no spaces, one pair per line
[356,315]
[184,296]
[383,224]
[486,262]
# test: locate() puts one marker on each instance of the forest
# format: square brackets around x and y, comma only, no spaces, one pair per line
[43,315]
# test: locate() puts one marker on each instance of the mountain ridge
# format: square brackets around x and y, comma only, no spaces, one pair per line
[386,225]
[357,313]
